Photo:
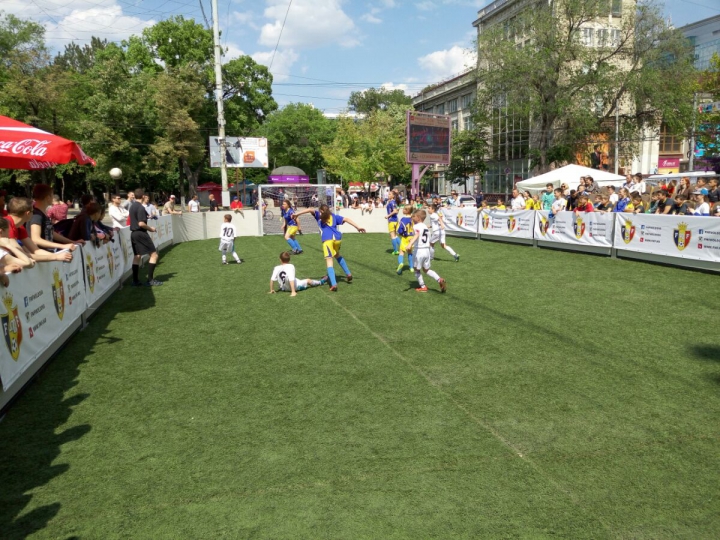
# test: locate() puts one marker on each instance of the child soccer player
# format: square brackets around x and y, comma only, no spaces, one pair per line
[227,239]
[392,217]
[421,241]
[284,274]
[405,232]
[437,225]
[291,226]
[331,238]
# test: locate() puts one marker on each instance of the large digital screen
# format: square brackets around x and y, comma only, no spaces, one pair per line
[428,138]
[240,152]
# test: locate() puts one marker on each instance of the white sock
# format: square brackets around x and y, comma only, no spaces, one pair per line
[314,283]
[235,256]
[224,258]
[419,277]
[432,252]
[450,250]
[433,274]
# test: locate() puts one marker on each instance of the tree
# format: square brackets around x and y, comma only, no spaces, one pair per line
[372,99]
[577,70]
[296,134]
[708,134]
[469,149]
[375,146]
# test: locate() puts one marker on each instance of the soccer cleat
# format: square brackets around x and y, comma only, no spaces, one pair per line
[333,288]
[299,252]
[396,253]
[421,289]
[136,284]
[240,261]
[457,258]
[443,285]
[153,283]
[400,269]
[348,278]
[225,262]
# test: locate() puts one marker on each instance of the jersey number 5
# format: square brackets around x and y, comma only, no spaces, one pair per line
[425,236]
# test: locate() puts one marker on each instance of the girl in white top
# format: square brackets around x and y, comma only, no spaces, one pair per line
[421,243]
[437,225]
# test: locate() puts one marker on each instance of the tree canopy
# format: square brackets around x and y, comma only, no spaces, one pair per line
[372,99]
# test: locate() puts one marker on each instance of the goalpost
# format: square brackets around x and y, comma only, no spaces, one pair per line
[301,196]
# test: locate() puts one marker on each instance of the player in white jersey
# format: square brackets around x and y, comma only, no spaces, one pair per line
[228,232]
[284,275]
[421,242]
[437,224]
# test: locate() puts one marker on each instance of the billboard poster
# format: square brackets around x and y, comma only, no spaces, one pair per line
[582,228]
[428,138]
[240,152]
[508,223]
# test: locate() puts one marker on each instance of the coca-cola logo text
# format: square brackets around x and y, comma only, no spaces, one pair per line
[27,147]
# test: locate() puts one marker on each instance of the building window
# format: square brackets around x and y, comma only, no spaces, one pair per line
[452,105]
[669,143]
[616,7]
[466,101]
[440,109]
[602,37]
[467,122]
[588,37]
[454,125]
[615,37]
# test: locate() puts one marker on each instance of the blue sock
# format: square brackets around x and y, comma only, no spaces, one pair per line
[396,244]
[297,245]
[343,265]
[331,276]
[410,259]
[392,242]
[291,242]
[401,258]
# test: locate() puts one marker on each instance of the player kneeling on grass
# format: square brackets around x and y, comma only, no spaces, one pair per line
[284,274]
[227,239]
[421,242]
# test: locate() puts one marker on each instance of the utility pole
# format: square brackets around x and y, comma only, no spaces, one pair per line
[691,162]
[219,99]
[617,136]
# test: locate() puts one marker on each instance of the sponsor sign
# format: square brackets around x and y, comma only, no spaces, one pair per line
[428,138]
[582,228]
[240,152]
[37,307]
[507,223]
[463,219]
[100,272]
[688,237]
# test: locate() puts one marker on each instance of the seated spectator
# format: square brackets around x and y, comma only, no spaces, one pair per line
[169,207]
[500,205]
[623,200]
[612,196]
[680,206]
[3,212]
[19,213]
[590,186]
[40,226]
[103,232]
[152,211]
[716,210]
[665,203]
[640,185]
[671,187]
[702,204]
[560,204]
[58,211]
[12,257]
[701,186]
[235,205]
[654,201]
[638,206]
[683,189]
[537,203]
[82,227]
[583,204]
[713,191]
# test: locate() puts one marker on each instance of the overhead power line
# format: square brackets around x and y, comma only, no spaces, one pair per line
[280,35]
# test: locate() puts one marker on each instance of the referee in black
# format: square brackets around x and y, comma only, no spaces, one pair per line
[142,244]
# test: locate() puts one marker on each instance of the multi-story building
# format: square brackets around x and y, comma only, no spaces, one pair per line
[453,97]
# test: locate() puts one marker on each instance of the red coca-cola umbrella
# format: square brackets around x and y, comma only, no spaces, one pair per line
[27,147]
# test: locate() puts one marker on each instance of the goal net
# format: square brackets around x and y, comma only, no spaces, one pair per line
[301,196]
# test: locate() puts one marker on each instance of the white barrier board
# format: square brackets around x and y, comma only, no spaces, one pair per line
[688,237]
[584,228]
[463,219]
[507,223]
[100,274]
[37,307]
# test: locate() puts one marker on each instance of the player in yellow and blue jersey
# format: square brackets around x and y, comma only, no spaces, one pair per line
[405,232]
[291,226]
[392,216]
[331,237]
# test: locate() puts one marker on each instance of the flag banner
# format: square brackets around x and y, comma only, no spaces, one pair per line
[460,219]
[582,228]
[687,237]
[100,274]
[507,223]
[37,307]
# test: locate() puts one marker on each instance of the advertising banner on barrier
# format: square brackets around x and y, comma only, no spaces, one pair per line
[688,237]
[127,253]
[584,228]
[37,307]
[460,219]
[100,272]
[517,224]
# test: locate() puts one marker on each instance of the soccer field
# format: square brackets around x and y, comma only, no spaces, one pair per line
[546,394]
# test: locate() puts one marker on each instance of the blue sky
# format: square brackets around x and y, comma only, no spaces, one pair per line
[328,48]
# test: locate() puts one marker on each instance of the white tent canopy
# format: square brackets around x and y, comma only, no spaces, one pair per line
[570,175]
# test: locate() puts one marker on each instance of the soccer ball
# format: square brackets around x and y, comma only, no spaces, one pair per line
[115,173]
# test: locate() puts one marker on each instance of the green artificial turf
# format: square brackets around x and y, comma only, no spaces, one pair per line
[547,394]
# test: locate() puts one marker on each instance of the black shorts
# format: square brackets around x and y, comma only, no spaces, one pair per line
[142,244]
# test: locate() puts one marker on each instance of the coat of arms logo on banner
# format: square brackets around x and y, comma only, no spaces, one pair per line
[58,292]
[627,231]
[90,272]
[579,227]
[485,221]
[459,219]
[511,223]
[681,236]
[12,328]
[111,261]
[544,225]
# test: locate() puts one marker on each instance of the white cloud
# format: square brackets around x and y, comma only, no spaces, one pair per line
[448,62]
[80,25]
[232,51]
[391,86]
[369,17]
[425,6]
[310,23]
[284,60]
[242,17]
